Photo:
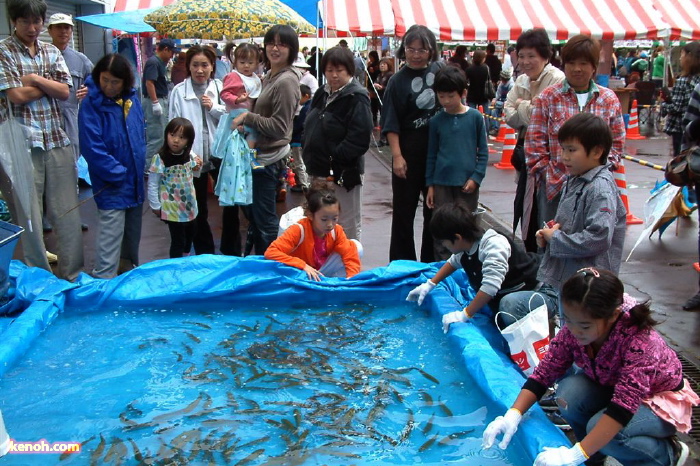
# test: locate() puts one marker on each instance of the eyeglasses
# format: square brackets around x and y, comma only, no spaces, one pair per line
[279,45]
[417,51]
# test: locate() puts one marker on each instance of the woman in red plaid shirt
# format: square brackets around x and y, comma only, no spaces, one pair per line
[556,104]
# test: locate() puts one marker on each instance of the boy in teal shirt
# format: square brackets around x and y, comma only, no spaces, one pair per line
[457,147]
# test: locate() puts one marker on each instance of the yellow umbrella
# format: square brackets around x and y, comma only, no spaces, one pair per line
[224,19]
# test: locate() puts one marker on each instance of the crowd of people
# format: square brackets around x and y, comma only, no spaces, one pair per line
[240,130]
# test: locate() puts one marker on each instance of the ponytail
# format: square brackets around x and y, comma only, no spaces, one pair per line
[641,316]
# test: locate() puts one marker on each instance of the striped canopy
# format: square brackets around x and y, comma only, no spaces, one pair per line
[454,20]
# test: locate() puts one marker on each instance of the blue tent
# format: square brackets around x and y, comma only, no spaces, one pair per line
[130,22]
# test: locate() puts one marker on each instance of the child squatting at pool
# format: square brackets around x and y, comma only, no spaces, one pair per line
[627,396]
[316,244]
[494,264]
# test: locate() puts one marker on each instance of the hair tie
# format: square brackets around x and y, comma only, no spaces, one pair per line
[589,270]
[628,302]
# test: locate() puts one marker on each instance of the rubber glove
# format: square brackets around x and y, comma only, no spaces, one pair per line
[562,456]
[420,292]
[506,425]
[452,317]
[157,109]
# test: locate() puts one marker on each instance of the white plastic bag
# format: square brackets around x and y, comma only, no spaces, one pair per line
[290,218]
[528,338]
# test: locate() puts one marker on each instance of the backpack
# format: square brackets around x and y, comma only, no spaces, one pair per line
[640,65]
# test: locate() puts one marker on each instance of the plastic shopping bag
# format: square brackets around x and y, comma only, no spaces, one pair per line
[528,338]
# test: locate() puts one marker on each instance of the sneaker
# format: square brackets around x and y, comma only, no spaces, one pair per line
[51,257]
[693,304]
[680,451]
[557,420]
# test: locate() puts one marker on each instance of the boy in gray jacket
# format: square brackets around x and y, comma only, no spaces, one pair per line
[588,229]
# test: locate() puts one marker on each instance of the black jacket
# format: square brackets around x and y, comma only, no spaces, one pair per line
[338,133]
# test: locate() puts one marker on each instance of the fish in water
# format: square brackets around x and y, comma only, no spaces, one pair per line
[250,458]
[428,444]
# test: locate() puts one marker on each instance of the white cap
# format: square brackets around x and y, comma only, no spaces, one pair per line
[300,63]
[61,18]
[4,438]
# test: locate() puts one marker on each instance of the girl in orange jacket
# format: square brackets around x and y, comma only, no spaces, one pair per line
[316,243]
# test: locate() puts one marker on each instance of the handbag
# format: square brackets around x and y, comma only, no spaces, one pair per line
[684,169]
[528,338]
[489,90]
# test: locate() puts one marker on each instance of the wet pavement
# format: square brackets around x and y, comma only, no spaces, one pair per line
[660,270]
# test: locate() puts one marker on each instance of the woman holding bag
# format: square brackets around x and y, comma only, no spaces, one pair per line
[534,51]
[272,119]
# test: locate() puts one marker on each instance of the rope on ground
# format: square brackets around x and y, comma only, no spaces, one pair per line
[644,163]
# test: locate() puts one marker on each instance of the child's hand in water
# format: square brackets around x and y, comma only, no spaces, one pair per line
[312,273]
[242,98]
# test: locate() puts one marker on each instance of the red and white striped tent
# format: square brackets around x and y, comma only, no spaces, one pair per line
[129,5]
[683,17]
[454,20]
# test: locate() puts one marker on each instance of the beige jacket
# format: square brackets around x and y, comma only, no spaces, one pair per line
[518,116]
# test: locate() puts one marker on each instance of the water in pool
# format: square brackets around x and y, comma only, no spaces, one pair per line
[350,385]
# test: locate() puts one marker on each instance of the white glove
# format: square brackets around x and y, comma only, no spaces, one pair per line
[420,292]
[562,456]
[452,317]
[506,425]
[157,109]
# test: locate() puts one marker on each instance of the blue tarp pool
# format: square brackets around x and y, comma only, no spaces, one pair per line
[40,298]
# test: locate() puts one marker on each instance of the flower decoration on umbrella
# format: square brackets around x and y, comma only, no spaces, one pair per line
[224,19]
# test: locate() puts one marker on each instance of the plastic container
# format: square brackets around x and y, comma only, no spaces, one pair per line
[9,235]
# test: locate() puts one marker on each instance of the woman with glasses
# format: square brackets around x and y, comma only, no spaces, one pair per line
[409,102]
[272,119]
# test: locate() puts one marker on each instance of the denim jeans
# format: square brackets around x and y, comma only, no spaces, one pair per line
[262,213]
[645,440]
[517,305]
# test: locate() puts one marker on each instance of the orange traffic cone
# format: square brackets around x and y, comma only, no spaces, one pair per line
[508,148]
[633,128]
[502,131]
[621,183]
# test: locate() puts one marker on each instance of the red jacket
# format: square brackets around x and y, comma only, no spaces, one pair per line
[297,251]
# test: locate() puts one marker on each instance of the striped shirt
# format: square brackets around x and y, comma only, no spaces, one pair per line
[41,116]
[552,108]
[692,113]
[675,109]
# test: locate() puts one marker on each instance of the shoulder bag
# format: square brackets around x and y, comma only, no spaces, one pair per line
[684,169]
[489,90]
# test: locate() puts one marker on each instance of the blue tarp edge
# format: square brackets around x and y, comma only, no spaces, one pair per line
[252,279]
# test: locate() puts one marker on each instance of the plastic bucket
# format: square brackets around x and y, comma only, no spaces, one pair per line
[9,234]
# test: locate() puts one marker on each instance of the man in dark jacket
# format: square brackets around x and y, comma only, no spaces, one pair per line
[494,64]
